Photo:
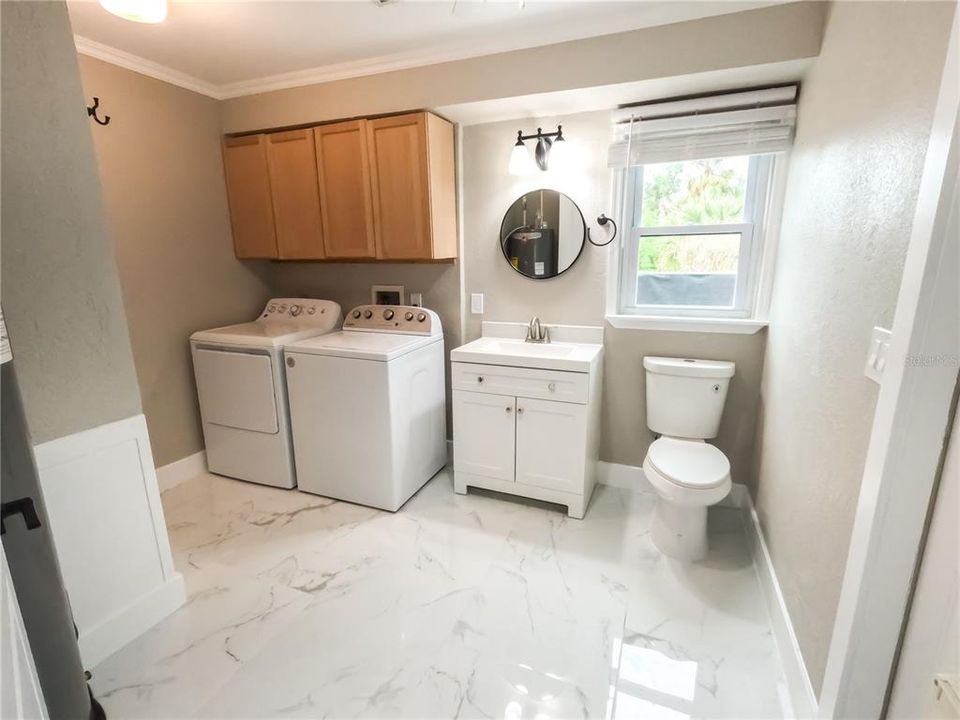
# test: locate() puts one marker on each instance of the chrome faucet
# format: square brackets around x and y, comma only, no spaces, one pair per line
[537,333]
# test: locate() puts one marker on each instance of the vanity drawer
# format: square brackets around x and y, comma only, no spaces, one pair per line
[521,382]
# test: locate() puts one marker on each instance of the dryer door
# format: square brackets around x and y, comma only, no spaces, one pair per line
[236,390]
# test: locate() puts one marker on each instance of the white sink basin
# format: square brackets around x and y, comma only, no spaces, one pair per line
[576,357]
[517,347]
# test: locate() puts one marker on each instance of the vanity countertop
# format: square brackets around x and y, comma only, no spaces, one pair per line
[569,356]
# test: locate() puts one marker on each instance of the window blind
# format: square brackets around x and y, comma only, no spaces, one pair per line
[751,122]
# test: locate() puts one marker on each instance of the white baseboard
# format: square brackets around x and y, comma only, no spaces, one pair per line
[172,474]
[802,696]
[107,522]
[626,477]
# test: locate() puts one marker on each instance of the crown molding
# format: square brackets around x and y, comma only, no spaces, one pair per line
[91,48]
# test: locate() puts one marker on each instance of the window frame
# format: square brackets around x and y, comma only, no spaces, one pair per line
[758,194]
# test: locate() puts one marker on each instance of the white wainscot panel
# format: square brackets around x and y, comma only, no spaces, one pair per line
[101,492]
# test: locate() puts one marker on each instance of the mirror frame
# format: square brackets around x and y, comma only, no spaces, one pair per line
[583,241]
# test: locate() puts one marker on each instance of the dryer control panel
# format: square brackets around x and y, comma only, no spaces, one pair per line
[400,319]
[302,311]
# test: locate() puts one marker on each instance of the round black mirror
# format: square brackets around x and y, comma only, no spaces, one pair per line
[542,234]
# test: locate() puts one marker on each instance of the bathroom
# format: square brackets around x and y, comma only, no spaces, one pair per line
[197,594]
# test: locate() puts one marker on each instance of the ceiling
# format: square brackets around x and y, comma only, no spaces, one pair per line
[231,48]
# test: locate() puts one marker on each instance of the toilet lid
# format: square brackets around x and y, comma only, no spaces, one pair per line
[689,463]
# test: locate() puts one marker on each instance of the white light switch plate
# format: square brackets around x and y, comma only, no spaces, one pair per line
[476,303]
[877,354]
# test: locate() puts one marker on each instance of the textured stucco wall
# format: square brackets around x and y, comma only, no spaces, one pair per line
[164,191]
[754,37]
[61,298]
[578,296]
[864,121]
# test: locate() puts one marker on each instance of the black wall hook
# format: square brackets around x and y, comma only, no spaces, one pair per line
[602,221]
[92,112]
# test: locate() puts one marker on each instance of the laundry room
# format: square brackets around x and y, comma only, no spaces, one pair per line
[454,358]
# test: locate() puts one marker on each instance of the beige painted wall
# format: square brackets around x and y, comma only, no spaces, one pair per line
[865,114]
[164,191]
[578,296]
[61,298]
[755,37]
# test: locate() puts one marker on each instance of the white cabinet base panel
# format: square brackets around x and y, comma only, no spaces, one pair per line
[576,504]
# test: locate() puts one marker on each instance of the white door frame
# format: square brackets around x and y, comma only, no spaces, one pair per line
[909,432]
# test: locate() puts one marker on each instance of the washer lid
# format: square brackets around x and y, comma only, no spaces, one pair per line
[689,463]
[257,334]
[378,346]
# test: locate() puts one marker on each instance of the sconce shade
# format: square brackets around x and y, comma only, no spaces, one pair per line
[142,11]
[519,159]
[560,154]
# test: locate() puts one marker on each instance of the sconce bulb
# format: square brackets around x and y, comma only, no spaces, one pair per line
[519,160]
[560,154]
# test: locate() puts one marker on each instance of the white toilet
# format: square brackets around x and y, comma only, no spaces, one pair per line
[685,400]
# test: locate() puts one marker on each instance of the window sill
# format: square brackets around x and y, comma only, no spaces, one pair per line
[730,326]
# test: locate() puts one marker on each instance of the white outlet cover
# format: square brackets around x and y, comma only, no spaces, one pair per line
[476,303]
[877,354]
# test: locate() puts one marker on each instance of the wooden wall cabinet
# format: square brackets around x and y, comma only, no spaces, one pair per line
[413,184]
[356,190]
[344,175]
[248,189]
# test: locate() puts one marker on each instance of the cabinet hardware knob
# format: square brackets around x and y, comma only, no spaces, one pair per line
[509,410]
[551,387]
[479,378]
[519,411]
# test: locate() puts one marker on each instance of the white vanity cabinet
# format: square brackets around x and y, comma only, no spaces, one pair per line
[529,431]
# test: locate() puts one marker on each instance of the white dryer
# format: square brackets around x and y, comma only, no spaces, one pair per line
[242,388]
[367,406]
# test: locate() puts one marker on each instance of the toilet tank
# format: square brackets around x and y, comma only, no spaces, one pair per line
[685,397]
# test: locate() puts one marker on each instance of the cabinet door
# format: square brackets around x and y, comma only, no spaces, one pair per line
[296,197]
[551,444]
[343,172]
[401,199]
[248,190]
[484,434]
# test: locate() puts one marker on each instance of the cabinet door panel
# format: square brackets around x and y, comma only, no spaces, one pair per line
[343,171]
[551,444]
[296,196]
[248,191]
[484,434]
[401,199]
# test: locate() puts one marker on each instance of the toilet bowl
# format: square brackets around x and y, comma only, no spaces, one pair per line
[685,400]
[688,476]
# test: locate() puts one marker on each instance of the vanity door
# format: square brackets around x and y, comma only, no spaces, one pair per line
[551,444]
[484,434]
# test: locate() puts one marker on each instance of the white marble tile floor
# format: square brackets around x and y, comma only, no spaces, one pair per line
[470,606]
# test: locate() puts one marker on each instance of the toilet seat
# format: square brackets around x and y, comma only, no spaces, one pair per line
[689,464]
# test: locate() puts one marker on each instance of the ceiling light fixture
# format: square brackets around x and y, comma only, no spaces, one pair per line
[547,144]
[141,11]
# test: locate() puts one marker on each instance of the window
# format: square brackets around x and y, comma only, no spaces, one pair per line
[695,236]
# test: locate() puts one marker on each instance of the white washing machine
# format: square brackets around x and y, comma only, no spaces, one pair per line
[367,406]
[242,388]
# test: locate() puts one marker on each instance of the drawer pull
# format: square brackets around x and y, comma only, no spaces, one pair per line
[552,387]
[509,410]
[480,378]
[519,411]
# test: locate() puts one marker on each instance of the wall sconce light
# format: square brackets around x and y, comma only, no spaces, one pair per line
[549,146]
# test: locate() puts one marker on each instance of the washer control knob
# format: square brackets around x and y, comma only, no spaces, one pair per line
[408,316]
[388,314]
[295,310]
[311,310]
[421,317]
[282,308]
[356,313]
[368,314]
[272,308]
